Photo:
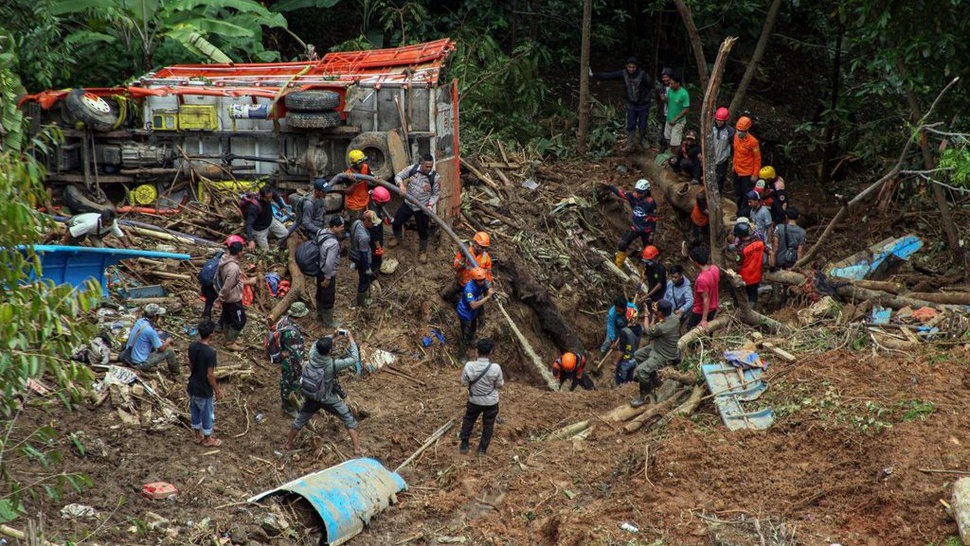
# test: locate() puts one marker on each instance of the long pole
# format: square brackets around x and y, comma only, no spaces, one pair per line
[584,78]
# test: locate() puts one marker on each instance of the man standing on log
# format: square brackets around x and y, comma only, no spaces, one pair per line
[747,160]
[705,288]
[644,217]
[329,252]
[663,327]
[678,107]
[751,253]
[483,379]
[422,183]
[629,342]
[639,92]
[722,135]
[473,296]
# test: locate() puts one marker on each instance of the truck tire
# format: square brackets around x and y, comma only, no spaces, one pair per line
[374,146]
[96,112]
[313,120]
[312,101]
[76,200]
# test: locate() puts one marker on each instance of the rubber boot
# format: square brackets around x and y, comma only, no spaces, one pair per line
[619,259]
[645,389]
[423,252]
[631,142]
[393,241]
[326,315]
[232,344]
[361,299]
[368,301]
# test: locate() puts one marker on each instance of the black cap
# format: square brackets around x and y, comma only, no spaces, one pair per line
[336,221]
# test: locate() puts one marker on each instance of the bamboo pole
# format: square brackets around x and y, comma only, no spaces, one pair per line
[431,439]
[527,347]
[568,430]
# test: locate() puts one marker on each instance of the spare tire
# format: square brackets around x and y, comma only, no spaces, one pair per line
[313,120]
[96,112]
[312,101]
[374,146]
[77,200]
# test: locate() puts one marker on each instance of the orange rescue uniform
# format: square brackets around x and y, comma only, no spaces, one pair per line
[464,274]
[360,197]
[747,156]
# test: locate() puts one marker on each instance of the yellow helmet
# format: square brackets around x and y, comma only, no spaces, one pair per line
[767,172]
[356,156]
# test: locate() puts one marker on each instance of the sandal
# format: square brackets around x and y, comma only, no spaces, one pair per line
[211,442]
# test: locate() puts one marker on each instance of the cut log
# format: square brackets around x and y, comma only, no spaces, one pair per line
[893,287]
[719,322]
[537,362]
[691,404]
[680,193]
[853,292]
[297,282]
[654,410]
[960,504]
[173,276]
[568,431]
[944,298]
[681,377]
[778,351]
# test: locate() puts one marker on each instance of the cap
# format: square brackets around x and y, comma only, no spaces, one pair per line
[321,184]
[154,310]
[753,196]
[298,309]
[336,221]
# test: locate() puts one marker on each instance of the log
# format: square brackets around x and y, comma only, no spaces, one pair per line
[892,287]
[479,174]
[690,405]
[626,412]
[568,430]
[778,351]
[851,291]
[680,193]
[431,439]
[173,276]
[681,377]
[944,298]
[20,535]
[161,235]
[719,322]
[537,362]
[960,503]
[656,409]
[297,283]
[611,266]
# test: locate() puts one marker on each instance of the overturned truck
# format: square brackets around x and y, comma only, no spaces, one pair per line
[156,141]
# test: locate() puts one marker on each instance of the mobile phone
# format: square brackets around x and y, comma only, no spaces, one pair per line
[341,332]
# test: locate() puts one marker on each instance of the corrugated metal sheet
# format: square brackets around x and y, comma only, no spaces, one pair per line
[346,496]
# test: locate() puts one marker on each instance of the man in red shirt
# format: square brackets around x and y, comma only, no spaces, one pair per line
[705,288]
[751,253]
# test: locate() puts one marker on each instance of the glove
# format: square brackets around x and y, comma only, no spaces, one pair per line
[379,251]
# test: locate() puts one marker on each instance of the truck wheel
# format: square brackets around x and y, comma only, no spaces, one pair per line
[312,101]
[96,112]
[76,200]
[374,146]
[313,120]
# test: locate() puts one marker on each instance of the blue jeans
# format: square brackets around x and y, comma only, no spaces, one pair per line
[203,413]
[636,118]
[623,373]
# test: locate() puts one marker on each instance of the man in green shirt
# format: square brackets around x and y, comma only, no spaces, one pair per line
[678,106]
[663,329]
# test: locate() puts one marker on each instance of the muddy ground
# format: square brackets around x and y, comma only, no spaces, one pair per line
[851,458]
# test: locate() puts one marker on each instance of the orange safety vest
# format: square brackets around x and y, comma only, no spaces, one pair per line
[360,197]
[747,155]
[464,273]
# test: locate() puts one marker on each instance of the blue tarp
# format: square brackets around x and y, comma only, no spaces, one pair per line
[76,264]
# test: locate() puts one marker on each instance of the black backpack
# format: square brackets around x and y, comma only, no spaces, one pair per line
[209,274]
[308,254]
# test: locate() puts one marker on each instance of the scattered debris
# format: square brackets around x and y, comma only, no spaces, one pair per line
[78,511]
[158,490]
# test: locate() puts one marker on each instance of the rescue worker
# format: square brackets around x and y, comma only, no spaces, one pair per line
[329,241]
[688,158]
[663,328]
[260,221]
[654,274]
[311,210]
[779,195]
[751,259]
[722,136]
[644,217]
[679,292]
[678,107]
[360,255]
[629,341]
[380,197]
[747,160]
[94,226]
[357,195]
[474,295]
[759,215]
[620,305]
[230,296]
[639,88]
[479,249]
[210,294]
[789,241]
[572,366]
[422,183]
[699,221]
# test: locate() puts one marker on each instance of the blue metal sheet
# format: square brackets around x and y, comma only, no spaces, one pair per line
[76,264]
[730,387]
[878,258]
[346,496]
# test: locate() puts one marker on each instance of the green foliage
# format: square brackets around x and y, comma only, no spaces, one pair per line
[11,118]
[916,410]
[44,58]
[957,161]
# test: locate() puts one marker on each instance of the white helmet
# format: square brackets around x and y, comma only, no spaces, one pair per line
[642,185]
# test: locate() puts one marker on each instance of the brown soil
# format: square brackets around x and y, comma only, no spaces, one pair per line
[841,464]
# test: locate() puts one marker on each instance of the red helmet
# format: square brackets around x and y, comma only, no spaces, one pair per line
[722,114]
[650,252]
[381,195]
[569,362]
[235,239]
[631,315]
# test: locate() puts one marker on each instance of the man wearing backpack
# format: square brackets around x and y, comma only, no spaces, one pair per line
[260,222]
[789,240]
[284,346]
[422,183]
[231,294]
[483,379]
[311,210]
[321,391]
[328,243]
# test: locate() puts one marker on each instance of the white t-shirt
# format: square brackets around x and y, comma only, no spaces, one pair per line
[90,224]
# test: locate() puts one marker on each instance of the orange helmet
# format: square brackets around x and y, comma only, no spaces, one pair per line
[482,239]
[743,124]
[478,273]
[569,361]
[650,252]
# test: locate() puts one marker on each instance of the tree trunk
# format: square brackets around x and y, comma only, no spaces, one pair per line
[695,41]
[710,182]
[654,410]
[831,137]
[759,51]
[297,282]
[584,78]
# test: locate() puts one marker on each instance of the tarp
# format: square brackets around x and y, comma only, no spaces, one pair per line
[76,264]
